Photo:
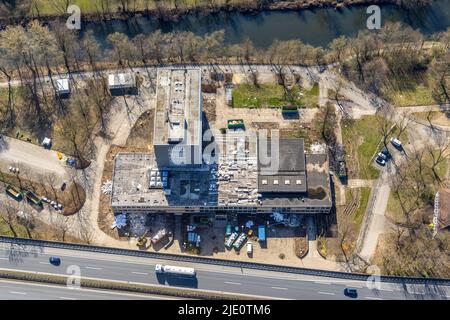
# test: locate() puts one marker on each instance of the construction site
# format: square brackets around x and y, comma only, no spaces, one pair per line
[210,190]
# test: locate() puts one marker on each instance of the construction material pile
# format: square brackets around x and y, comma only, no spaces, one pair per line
[120,221]
[137,224]
[107,187]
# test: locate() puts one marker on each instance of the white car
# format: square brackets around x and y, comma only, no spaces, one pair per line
[396,143]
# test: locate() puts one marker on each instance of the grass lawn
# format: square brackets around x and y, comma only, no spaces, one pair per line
[47,7]
[5,230]
[436,117]
[272,96]
[358,215]
[361,138]
[420,95]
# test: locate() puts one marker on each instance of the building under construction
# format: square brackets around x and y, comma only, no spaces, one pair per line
[177,180]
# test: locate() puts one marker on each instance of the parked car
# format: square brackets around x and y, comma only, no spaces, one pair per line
[249,248]
[386,152]
[351,292]
[396,143]
[382,156]
[380,161]
[56,261]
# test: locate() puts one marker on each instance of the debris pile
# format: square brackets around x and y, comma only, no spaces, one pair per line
[120,221]
[107,187]
[137,224]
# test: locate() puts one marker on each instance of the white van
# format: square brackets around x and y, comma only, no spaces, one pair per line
[249,248]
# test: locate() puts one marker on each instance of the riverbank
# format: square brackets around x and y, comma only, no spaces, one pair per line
[168,12]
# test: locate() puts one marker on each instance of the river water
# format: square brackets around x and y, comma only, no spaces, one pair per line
[317,27]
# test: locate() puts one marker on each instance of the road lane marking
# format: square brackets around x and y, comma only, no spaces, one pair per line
[321,282]
[421,293]
[68,298]
[4,259]
[141,273]
[391,290]
[279,288]
[373,298]
[44,262]
[17,292]
[236,283]
[93,268]
[330,293]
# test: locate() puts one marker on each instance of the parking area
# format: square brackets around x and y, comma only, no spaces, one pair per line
[272,238]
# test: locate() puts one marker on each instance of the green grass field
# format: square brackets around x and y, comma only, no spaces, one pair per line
[51,7]
[364,135]
[273,96]
[420,95]
[358,215]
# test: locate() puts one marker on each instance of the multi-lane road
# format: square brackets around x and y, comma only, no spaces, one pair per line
[14,290]
[209,277]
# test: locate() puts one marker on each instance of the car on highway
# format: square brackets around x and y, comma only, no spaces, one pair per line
[56,261]
[351,292]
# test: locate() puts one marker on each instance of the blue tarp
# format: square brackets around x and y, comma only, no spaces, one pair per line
[262,233]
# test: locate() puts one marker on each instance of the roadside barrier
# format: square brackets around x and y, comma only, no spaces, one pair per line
[221,262]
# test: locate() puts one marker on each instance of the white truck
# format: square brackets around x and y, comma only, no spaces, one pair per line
[175,270]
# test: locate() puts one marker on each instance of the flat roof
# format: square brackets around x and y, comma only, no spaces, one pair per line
[178,107]
[62,85]
[122,80]
[233,182]
[291,155]
[290,173]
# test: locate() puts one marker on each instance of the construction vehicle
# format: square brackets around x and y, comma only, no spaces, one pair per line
[32,198]
[142,240]
[230,240]
[236,124]
[237,245]
[14,192]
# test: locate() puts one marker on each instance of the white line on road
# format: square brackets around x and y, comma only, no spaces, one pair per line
[236,283]
[279,288]
[67,298]
[93,268]
[321,282]
[44,262]
[4,259]
[391,290]
[330,293]
[141,273]
[373,298]
[17,292]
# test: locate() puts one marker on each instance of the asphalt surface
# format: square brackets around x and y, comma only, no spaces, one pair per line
[210,277]
[14,290]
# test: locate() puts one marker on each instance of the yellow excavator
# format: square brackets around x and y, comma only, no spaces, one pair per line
[142,240]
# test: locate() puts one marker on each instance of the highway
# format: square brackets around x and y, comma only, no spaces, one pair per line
[259,283]
[14,290]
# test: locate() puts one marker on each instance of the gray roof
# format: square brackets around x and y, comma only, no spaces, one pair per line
[290,174]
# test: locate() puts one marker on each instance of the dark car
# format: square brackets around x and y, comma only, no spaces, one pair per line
[386,152]
[351,292]
[380,161]
[56,261]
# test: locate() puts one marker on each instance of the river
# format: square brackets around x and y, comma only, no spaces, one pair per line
[317,27]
